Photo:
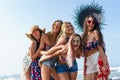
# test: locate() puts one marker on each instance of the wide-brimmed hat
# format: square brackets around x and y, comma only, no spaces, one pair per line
[89,9]
[34,28]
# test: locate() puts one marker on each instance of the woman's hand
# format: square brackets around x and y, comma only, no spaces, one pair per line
[44,52]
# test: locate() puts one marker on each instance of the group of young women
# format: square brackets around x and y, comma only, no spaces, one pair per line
[53,54]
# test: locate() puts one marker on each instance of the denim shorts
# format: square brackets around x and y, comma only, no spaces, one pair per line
[50,62]
[60,68]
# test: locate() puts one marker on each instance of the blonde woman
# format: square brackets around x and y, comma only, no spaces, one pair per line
[67,49]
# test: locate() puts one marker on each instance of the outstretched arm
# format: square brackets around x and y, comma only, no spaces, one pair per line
[61,41]
[46,57]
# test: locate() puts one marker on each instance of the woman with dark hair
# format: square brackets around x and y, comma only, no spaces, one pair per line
[30,62]
[89,19]
[93,45]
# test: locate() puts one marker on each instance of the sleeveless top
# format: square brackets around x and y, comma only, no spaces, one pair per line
[91,45]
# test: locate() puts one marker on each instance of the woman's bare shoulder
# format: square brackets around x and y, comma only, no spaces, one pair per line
[95,32]
[44,37]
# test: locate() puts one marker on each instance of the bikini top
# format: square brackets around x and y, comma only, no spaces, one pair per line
[46,47]
[91,45]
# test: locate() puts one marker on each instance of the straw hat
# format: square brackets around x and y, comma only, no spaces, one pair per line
[89,9]
[34,28]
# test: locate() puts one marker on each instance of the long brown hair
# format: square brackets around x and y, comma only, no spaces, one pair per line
[50,34]
[96,27]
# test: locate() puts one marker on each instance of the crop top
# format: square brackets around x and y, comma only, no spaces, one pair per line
[91,45]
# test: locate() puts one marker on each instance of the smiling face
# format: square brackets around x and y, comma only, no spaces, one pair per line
[56,27]
[90,23]
[76,42]
[36,34]
[69,29]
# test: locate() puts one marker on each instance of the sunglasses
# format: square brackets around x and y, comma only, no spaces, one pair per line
[75,41]
[89,22]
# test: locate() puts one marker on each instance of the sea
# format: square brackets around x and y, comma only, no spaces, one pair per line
[114,75]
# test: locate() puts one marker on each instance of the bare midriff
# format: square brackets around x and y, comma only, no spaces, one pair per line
[90,52]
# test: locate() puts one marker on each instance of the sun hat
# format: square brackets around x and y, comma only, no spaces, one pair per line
[34,28]
[89,9]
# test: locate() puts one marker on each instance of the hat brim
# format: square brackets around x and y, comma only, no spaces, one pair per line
[88,9]
[29,35]
[42,30]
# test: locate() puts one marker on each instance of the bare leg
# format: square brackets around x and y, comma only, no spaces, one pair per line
[45,72]
[43,58]
[94,75]
[73,75]
[63,76]
[27,74]
[88,76]
[91,76]
[54,74]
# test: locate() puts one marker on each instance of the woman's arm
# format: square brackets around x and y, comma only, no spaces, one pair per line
[41,46]
[100,48]
[55,50]
[32,50]
[46,57]
[61,41]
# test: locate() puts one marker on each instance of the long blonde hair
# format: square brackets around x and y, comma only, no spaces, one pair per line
[63,28]
[70,52]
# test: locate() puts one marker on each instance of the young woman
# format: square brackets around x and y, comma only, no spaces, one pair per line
[93,46]
[66,31]
[89,19]
[32,71]
[47,41]
[67,49]
[66,66]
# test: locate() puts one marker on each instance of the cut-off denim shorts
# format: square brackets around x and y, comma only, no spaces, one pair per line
[60,68]
[50,62]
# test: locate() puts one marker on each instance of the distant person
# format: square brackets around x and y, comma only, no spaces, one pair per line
[32,70]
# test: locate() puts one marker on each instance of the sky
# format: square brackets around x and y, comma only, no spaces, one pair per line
[17,17]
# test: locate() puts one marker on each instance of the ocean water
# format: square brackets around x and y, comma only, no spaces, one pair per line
[114,75]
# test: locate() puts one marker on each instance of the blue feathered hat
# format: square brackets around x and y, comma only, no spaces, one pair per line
[89,9]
